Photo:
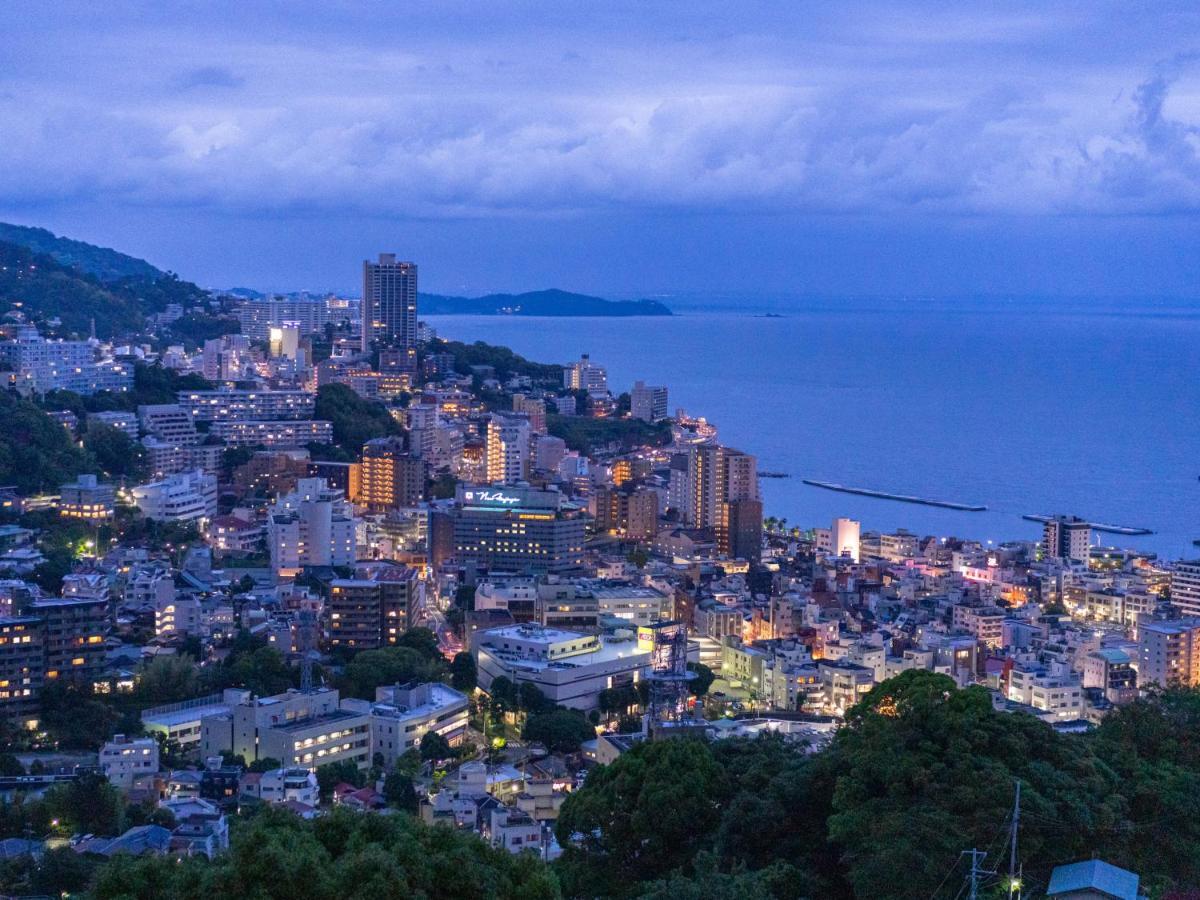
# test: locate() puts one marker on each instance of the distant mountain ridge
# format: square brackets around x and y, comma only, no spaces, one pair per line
[104,263]
[551,302]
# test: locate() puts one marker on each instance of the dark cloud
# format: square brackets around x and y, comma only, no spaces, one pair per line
[209,77]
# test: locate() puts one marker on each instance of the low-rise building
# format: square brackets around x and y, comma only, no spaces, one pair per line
[570,668]
[123,760]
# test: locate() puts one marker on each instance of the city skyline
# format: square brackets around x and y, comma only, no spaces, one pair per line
[893,149]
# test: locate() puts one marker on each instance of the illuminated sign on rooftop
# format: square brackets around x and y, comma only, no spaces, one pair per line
[498,497]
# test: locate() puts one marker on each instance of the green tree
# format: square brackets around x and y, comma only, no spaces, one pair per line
[559,730]
[400,792]
[115,452]
[331,775]
[36,453]
[532,700]
[371,669]
[89,804]
[355,420]
[703,681]
[463,673]
[168,679]
[435,747]
[423,641]
[645,815]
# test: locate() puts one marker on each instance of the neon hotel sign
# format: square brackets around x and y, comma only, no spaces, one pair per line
[498,497]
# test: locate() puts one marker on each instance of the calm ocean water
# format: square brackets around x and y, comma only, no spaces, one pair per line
[1085,409]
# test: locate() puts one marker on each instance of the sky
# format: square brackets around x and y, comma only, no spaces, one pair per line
[623,148]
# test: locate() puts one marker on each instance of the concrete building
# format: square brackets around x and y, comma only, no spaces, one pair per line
[390,477]
[229,405]
[123,760]
[570,668]
[716,475]
[389,306]
[585,375]
[1067,538]
[73,632]
[375,610]
[845,536]
[38,365]
[1111,670]
[286,434]
[180,723]
[403,714]
[517,529]
[508,449]
[1185,587]
[311,526]
[631,512]
[1169,653]
[298,729]
[88,499]
[1057,693]
[648,402]
[185,497]
[308,315]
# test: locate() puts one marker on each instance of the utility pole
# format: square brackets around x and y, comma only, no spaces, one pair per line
[1014,881]
[977,857]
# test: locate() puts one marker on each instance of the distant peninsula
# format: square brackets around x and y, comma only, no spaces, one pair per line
[538,303]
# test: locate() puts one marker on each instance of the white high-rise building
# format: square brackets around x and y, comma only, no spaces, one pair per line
[648,402]
[39,365]
[1067,538]
[1169,653]
[312,526]
[1185,587]
[508,445]
[845,537]
[586,376]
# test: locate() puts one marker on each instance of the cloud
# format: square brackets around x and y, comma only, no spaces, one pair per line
[208,77]
[976,118]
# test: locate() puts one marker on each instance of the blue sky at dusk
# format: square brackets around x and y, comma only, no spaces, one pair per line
[618,148]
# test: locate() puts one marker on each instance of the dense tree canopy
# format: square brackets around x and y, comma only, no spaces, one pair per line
[343,856]
[355,420]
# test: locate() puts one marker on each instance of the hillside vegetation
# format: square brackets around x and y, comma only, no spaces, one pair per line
[44,289]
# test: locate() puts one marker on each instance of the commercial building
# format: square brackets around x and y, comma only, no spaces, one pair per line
[311,526]
[1111,670]
[390,477]
[1185,587]
[375,610]
[180,723]
[228,404]
[1169,653]
[631,512]
[389,305]
[845,537]
[1067,538]
[86,498]
[308,315]
[403,714]
[739,529]
[508,448]
[716,475]
[299,729]
[185,497]
[584,375]
[648,402]
[569,667]
[517,529]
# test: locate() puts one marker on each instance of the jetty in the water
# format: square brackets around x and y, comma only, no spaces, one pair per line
[901,498]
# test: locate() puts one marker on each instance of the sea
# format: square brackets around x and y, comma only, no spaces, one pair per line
[1081,407]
